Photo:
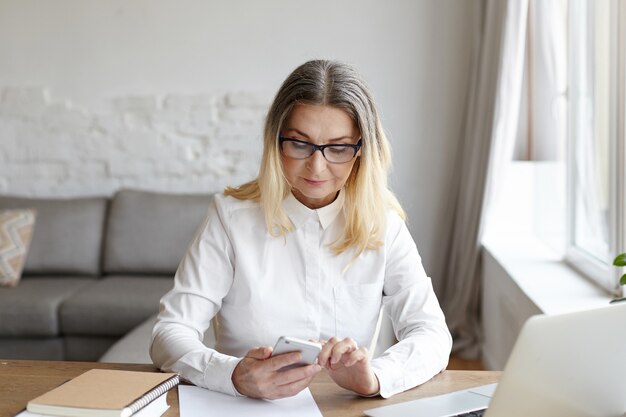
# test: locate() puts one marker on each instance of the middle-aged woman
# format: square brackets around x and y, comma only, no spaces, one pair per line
[312,248]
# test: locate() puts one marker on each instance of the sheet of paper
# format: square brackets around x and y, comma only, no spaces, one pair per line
[200,402]
[27,414]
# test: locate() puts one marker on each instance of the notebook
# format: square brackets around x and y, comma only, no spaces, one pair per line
[561,365]
[106,393]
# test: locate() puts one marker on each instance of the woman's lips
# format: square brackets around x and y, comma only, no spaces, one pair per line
[314,182]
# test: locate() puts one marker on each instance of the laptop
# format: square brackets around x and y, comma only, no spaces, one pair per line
[571,364]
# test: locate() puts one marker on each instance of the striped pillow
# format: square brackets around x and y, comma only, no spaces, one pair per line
[16,230]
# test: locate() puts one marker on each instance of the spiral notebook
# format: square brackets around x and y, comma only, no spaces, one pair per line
[106,393]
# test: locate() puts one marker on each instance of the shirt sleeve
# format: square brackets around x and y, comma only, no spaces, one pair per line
[425,342]
[203,278]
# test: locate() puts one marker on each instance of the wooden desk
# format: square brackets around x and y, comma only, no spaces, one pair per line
[21,381]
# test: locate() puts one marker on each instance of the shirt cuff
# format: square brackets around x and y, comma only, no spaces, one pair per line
[219,372]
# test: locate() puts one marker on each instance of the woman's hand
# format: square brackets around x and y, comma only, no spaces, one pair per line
[349,366]
[258,374]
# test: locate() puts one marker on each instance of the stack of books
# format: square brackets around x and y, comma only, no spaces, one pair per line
[108,393]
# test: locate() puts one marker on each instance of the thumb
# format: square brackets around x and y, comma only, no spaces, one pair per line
[262,352]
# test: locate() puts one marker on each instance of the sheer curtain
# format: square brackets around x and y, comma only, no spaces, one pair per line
[487,146]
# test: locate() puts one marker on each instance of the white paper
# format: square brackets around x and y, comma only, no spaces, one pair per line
[27,414]
[199,402]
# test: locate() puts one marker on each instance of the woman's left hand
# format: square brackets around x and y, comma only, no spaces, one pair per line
[349,366]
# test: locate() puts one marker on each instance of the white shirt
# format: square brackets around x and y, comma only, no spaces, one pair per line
[262,287]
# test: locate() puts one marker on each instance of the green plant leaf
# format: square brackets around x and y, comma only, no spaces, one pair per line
[622,280]
[620,260]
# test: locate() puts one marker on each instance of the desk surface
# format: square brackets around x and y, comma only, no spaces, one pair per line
[21,381]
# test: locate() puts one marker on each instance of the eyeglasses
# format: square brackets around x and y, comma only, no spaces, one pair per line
[335,154]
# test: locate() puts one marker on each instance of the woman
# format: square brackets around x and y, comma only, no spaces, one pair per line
[313,248]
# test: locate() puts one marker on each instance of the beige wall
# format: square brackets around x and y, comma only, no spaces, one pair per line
[83,58]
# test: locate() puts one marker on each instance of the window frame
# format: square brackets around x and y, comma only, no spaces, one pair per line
[619,171]
[601,271]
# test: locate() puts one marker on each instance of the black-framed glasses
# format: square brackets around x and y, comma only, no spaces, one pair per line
[335,154]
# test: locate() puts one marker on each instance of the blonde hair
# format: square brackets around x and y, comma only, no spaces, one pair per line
[367,196]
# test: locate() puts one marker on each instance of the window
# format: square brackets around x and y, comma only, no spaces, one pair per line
[571,131]
[594,135]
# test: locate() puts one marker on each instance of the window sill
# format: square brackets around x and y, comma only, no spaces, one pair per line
[539,272]
[523,277]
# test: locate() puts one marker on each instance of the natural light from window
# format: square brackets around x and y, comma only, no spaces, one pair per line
[562,187]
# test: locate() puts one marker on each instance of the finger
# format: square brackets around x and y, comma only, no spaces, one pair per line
[289,390]
[296,374]
[284,359]
[324,354]
[262,352]
[347,345]
[359,355]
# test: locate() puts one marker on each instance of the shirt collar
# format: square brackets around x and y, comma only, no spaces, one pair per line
[299,213]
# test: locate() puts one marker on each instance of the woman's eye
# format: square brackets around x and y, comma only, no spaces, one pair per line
[338,150]
[299,146]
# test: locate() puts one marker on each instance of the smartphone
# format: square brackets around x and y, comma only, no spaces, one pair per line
[309,350]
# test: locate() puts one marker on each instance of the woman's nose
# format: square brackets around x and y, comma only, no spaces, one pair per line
[316,162]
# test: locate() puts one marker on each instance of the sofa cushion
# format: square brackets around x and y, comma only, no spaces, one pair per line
[45,349]
[134,347]
[86,348]
[16,230]
[31,309]
[68,234]
[113,305]
[149,232]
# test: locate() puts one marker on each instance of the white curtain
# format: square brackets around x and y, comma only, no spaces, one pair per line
[487,147]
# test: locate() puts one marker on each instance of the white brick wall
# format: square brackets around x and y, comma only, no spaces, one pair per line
[172,142]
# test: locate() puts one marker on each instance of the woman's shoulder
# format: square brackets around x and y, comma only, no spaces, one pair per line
[228,204]
[394,218]
[395,223]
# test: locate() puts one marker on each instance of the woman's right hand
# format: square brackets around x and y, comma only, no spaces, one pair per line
[258,374]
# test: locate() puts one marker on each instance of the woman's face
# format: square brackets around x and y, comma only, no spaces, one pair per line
[314,181]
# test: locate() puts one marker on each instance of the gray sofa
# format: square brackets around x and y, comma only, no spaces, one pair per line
[95,272]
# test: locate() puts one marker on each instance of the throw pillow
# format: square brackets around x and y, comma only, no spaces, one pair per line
[16,230]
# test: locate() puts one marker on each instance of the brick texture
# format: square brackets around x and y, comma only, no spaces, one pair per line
[173,142]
